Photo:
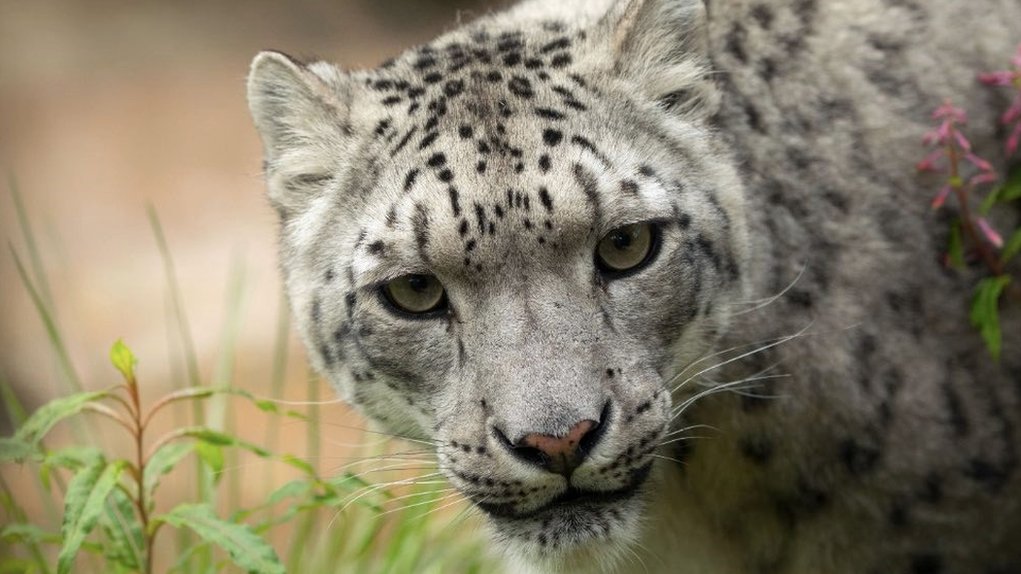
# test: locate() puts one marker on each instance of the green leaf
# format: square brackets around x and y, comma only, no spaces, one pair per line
[955,246]
[43,419]
[23,533]
[1012,247]
[124,360]
[246,549]
[124,543]
[218,438]
[83,505]
[212,455]
[1011,189]
[72,458]
[162,462]
[15,410]
[985,311]
[15,450]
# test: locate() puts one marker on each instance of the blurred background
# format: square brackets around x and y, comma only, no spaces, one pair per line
[110,107]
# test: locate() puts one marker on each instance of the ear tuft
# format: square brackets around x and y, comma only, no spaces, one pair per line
[302,115]
[292,105]
[662,46]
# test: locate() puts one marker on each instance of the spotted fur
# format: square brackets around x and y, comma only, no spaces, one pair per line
[771,143]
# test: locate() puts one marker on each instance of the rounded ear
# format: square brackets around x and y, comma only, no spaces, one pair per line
[663,47]
[302,114]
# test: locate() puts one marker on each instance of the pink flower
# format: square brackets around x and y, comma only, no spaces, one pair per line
[941,197]
[1000,78]
[1013,112]
[991,234]
[962,141]
[1016,60]
[986,177]
[1013,140]
[929,162]
[950,112]
[978,162]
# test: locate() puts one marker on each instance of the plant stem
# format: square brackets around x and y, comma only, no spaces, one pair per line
[141,502]
[961,191]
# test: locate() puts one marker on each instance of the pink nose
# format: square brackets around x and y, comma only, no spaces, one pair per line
[557,454]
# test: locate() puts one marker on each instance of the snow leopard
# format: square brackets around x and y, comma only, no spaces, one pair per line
[658,282]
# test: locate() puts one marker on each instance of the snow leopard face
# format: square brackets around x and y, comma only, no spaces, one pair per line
[506,243]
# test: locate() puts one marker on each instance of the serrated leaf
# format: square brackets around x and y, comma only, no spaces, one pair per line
[245,548]
[43,419]
[162,462]
[124,360]
[14,450]
[124,544]
[985,312]
[24,533]
[1012,247]
[83,505]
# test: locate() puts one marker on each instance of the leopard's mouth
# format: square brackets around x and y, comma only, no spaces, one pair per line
[573,500]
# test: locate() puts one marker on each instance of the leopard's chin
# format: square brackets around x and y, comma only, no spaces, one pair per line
[575,532]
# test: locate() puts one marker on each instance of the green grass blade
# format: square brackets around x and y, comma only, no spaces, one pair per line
[34,258]
[56,340]
[245,548]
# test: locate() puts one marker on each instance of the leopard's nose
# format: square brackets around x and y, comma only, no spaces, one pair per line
[559,454]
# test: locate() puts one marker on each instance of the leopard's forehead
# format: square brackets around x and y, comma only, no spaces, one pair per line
[492,145]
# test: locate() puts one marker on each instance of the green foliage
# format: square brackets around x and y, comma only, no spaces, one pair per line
[245,548]
[83,505]
[985,311]
[123,360]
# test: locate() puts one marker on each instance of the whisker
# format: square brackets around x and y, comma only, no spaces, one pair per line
[431,501]
[760,303]
[775,343]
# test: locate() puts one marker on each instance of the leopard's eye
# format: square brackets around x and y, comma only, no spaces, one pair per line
[626,248]
[416,294]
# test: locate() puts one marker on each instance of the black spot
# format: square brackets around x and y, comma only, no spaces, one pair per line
[799,297]
[465,131]
[628,186]
[520,87]
[328,277]
[421,226]
[926,564]
[481,166]
[453,88]
[498,210]
[423,62]
[545,198]
[544,163]
[445,175]
[512,59]
[754,118]
[548,114]
[409,180]
[859,459]
[391,100]
[455,205]
[560,60]
[757,449]
[376,247]
[432,78]
[437,160]
[428,139]
[763,15]
[470,246]
[552,137]
[404,140]
[735,42]
[494,76]
[684,220]
[382,126]
[533,63]
[462,230]
[558,44]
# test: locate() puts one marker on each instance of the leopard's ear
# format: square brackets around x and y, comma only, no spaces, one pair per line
[302,113]
[663,47]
